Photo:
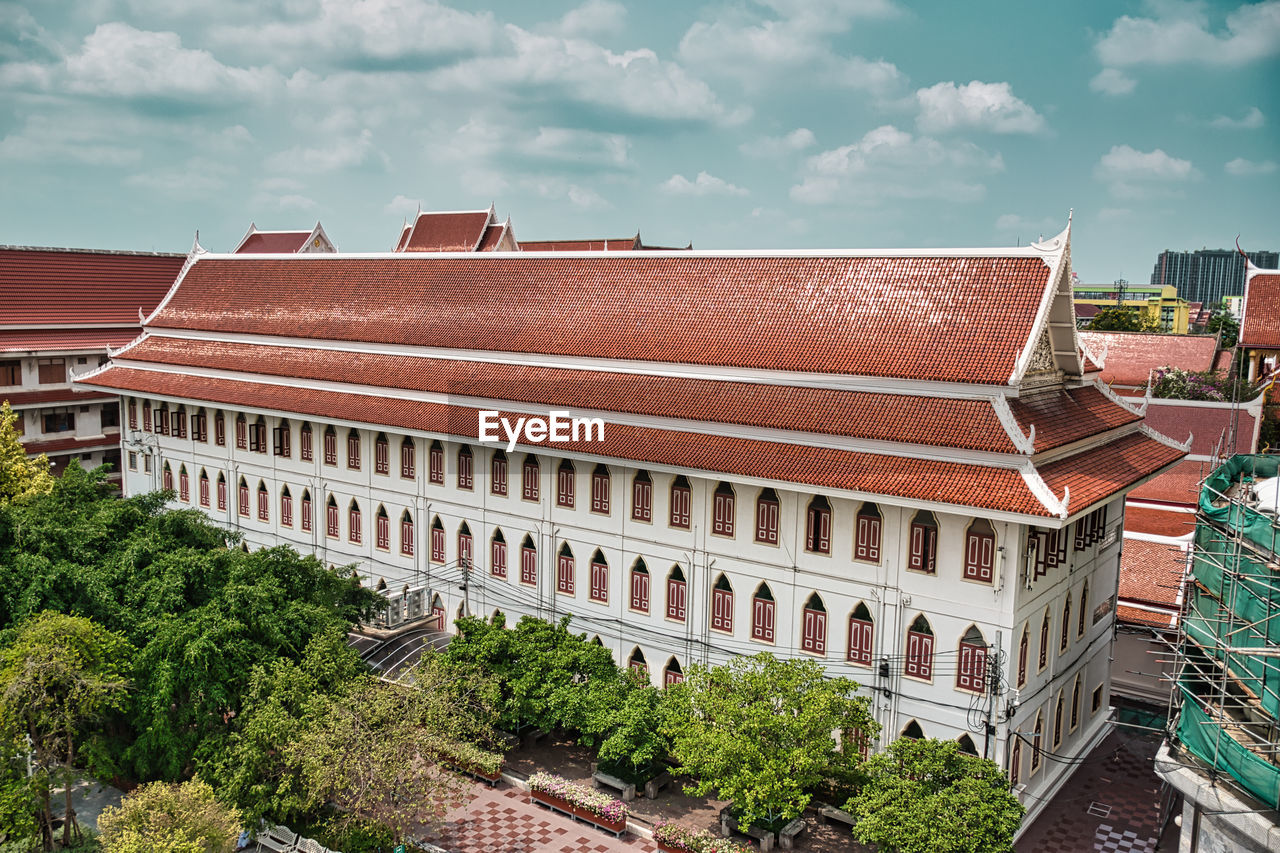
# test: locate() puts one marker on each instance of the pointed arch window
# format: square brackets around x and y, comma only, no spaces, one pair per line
[184,485]
[1023,647]
[200,426]
[599,578]
[1065,633]
[286,507]
[920,649]
[1044,640]
[408,459]
[435,463]
[767,517]
[498,555]
[564,570]
[465,551]
[162,419]
[466,469]
[867,530]
[331,518]
[1037,745]
[406,533]
[528,562]
[972,672]
[980,551]
[763,612]
[813,632]
[180,422]
[817,535]
[219,429]
[861,634]
[306,452]
[437,612]
[381,455]
[166,477]
[258,435]
[146,415]
[722,606]
[1058,721]
[498,474]
[1075,703]
[912,731]
[330,446]
[1084,609]
[204,488]
[637,663]
[600,490]
[681,499]
[264,502]
[673,674]
[564,484]
[640,587]
[1015,761]
[967,746]
[244,498]
[353,449]
[282,440]
[132,407]
[308,519]
[382,529]
[355,529]
[676,594]
[641,497]
[922,554]
[722,515]
[437,540]
[530,471]
[222,492]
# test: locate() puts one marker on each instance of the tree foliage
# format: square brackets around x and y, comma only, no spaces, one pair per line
[1226,325]
[927,796]
[1122,320]
[165,817]
[20,478]
[759,731]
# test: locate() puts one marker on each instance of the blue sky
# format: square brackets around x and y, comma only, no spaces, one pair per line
[130,124]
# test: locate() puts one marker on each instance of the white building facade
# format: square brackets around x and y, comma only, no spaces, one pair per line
[909,529]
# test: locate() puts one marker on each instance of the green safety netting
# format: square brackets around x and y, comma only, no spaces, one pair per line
[1209,742]
[1256,527]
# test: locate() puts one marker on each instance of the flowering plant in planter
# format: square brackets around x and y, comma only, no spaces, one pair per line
[469,757]
[587,799]
[673,836]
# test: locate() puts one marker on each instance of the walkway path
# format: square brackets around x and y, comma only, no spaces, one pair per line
[502,820]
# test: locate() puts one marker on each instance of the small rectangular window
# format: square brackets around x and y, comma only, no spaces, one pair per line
[10,372]
[529,480]
[59,421]
[1097,700]
[110,415]
[51,371]
[133,460]
[281,436]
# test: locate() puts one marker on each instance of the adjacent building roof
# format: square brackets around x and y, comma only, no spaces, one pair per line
[1261,326]
[257,241]
[1179,486]
[1129,358]
[445,231]
[1150,590]
[1217,429]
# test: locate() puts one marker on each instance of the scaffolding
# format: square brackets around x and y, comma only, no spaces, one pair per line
[1227,678]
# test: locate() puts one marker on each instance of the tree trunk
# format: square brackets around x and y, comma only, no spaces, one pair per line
[70,828]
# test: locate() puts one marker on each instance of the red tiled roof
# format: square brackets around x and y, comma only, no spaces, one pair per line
[447,232]
[620,244]
[1151,572]
[273,242]
[1148,618]
[1262,313]
[1208,424]
[1086,310]
[52,340]
[1140,519]
[61,445]
[1061,417]
[492,236]
[1131,356]
[43,286]
[911,317]
[1179,486]
[58,395]
[1098,473]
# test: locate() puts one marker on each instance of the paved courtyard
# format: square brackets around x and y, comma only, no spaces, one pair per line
[502,820]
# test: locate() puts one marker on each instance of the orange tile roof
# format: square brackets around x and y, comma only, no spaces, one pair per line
[446,232]
[909,317]
[1148,618]
[53,340]
[492,236]
[1157,522]
[46,286]
[1061,417]
[1210,426]
[273,242]
[621,244]
[1151,572]
[1179,486]
[1096,474]
[1132,356]
[1262,313]
[57,395]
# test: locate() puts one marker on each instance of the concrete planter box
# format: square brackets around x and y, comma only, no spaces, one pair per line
[564,807]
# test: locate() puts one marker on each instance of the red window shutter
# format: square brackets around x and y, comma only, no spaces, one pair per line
[640,591]
[1022,661]
[529,481]
[860,636]
[220,430]
[670,677]
[465,472]
[306,513]
[184,486]
[599,493]
[407,461]
[406,537]
[381,458]
[146,416]
[437,616]
[979,557]
[330,449]
[722,610]
[972,674]
[680,507]
[242,435]
[204,491]
[498,559]
[355,533]
[331,518]
[767,522]
[919,655]
[762,619]
[642,501]
[818,530]
[286,510]
[528,565]
[722,522]
[813,637]
[564,574]
[263,501]
[498,470]
[867,547]
[304,445]
[464,548]
[675,599]
[353,452]
[435,465]
[437,545]
[599,582]
[384,532]
[244,501]
[133,414]
[564,488]
[222,495]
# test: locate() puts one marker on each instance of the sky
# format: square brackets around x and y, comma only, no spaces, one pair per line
[133,124]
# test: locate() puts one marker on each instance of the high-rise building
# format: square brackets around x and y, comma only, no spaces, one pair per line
[1207,275]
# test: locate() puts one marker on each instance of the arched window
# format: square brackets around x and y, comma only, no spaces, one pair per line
[466,469]
[408,459]
[1044,640]
[920,649]
[922,555]
[264,502]
[498,474]
[564,570]
[258,435]
[861,633]
[913,731]
[867,529]
[162,419]
[529,474]
[817,535]
[637,662]
[166,477]
[406,534]
[330,446]
[437,612]
[282,439]
[435,463]
[222,491]
[219,429]
[353,449]
[305,450]
[132,407]
[1057,721]
[1037,745]
[381,455]
[286,507]
[1075,703]
[307,517]
[437,540]
[767,517]
[813,634]
[200,426]
[1015,760]
[972,672]
[675,594]
[966,745]
[146,415]
[600,490]
[244,498]
[180,422]
[354,527]
[331,518]
[640,587]
[1023,646]
[564,484]
[680,502]
[722,605]
[498,555]
[382,529]
[722,516]
[1084,609]
[599,578]
[762,614]
[528,562]
[673,674]
[204,488]
[184,485]
[1066,624]
[980,551]
[641,497]
[465,551]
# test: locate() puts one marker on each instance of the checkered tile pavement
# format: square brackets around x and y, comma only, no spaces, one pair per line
[502,820]
[1110,840]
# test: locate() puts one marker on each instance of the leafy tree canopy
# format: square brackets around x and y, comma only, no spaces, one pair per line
[20,478]
[166,817]
[1122,320]
[1223,321]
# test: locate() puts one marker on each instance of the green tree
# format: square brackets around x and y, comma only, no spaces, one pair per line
[1223,322]
[165,817]
[1122,320]
[926,796]
[59,678]
[759,731]
[20,478]
[627,725]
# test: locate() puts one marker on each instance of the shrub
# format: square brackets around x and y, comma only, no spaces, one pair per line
[599,804]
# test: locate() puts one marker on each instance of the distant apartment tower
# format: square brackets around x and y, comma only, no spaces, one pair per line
[1207,275]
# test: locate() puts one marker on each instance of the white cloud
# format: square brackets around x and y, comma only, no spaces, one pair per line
[343,153]
[888,163]
[1131,173]
[1251,120]
[1112,81]
[585,198]
[403,205]
[779,146]
[1013,223]
[595,17]
[703,185]
[581,146]
[1181,33]
[984,106]
[1243,168]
